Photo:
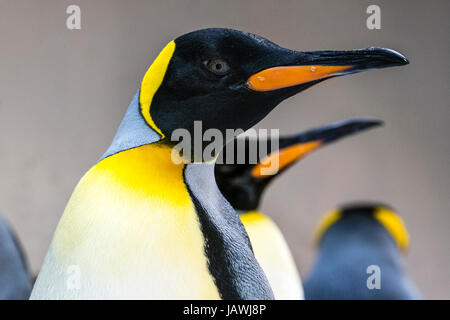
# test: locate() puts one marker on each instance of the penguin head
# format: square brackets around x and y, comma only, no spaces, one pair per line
[363,222]
[230,79]
[243,182]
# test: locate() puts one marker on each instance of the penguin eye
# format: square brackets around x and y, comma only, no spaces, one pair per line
[217,66]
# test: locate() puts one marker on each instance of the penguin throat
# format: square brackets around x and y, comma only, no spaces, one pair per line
[133,131]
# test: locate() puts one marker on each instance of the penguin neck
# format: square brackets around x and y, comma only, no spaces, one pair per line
[133,131]
[148,170]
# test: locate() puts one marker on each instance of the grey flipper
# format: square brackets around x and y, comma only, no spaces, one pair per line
[15,279]
[232,263]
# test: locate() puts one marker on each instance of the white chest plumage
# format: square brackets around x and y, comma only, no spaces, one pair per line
[130,230]
[274,256]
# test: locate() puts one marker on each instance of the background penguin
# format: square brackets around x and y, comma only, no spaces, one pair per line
[359,245]
[243,185]
[143,223]
[15,277]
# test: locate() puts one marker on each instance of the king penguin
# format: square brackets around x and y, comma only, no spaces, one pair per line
[144,224]
[360,256]
[15,277]
[243,185]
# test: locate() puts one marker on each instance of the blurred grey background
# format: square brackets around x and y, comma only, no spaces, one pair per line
[63,94]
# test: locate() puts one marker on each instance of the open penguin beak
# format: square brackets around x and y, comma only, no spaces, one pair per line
[299,68]
[293,148]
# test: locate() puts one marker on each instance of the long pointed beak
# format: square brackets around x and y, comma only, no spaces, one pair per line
[306,67]
[332,132]
[292,148]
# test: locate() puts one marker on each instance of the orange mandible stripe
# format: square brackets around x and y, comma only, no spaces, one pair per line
[285,157]
[282,77]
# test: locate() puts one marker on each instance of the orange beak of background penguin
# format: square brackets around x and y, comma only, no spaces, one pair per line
[293,148]
[288,76]
[243,182]
[284,158]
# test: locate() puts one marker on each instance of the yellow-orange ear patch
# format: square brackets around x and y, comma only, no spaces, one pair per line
[394,225]
[151,82]
[327,220]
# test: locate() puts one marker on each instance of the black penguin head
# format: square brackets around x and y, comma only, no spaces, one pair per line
[373,213]
[243,182]
[229,79]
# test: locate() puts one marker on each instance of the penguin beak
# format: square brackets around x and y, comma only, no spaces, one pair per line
[306,67]
[295,147]
[284,157]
